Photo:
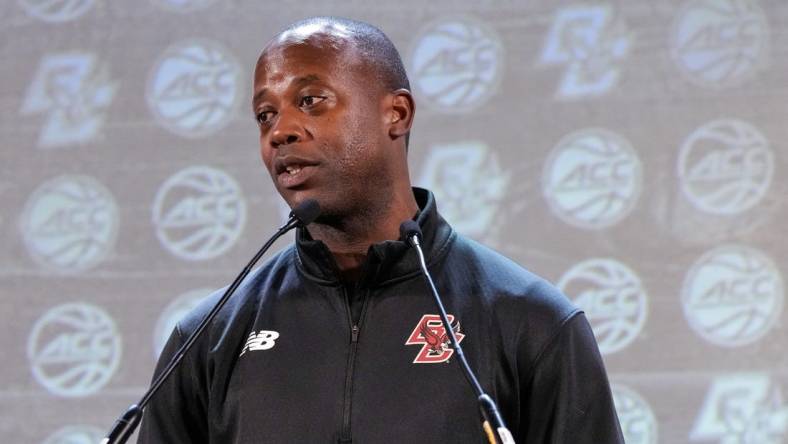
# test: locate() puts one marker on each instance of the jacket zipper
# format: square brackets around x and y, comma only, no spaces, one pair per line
[345,434]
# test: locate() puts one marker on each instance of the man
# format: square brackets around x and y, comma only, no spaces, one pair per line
[336,338]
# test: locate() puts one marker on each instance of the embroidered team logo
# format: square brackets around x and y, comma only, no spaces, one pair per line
[262,340]
[432,336]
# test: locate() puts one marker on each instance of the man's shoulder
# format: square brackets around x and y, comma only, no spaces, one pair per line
[511,288]
[246,296]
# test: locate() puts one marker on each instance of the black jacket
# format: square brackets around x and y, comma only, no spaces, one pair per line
[285,362]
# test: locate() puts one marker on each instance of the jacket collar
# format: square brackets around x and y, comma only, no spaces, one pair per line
[387,261]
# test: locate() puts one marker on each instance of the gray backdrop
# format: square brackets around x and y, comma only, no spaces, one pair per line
[632,152]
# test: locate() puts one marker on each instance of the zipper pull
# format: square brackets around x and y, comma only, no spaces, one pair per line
[354,334]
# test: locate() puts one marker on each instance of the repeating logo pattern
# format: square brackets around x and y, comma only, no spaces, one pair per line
[592,41]
[720,43]
[732,295]
[74,349]
[613,299]
[742,409]
[635,416]
[173,313]
[70,223]
[468,182]
[725,167]
[183,5]
[592,178]
[194,89]
[456,64]
[76,435]
[56,11]
[73,91]
[434,339]
[199,213]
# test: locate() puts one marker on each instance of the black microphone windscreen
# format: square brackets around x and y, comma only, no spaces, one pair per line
[306,212]
[407,229]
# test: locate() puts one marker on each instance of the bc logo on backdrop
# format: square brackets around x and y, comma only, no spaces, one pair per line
[173,313]
[456,64]
[199,213]
[613,299]
[742,408]
[194,88]
[592,41]
[720,43]
[635,415]
[74,349]
[70,223]
[183,5]
[56,11]
[592,178]
[725,167]
[73,91]
[732,296]
[81,434]
[469,185]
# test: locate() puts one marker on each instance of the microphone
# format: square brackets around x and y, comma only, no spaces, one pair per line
[302,215]
[410,232]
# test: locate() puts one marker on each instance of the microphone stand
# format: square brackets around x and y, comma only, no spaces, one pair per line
[487,405]
[304,214]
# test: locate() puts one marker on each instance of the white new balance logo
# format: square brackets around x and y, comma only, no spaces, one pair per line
[262,340]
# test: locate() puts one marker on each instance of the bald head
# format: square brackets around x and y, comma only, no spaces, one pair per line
[367,43]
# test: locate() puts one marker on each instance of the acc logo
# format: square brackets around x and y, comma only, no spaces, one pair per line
[76,435]
[262,340]
[194,89]
[73,90]
[590,40]
[637,419]
[725,167]
[719,43]
[432,336]
[173,313]
[592,178]
[469,183]
[183,5]
[732,296]
[742,408]
[613,299]
[457,64]
[199,213]
[74,349]
[69,224]
[56,11]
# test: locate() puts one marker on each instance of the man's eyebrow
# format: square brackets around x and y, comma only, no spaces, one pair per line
[299,81]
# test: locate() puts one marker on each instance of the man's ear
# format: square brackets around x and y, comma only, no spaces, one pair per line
[400,113]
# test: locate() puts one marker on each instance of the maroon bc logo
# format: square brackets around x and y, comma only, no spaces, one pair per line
[432,336]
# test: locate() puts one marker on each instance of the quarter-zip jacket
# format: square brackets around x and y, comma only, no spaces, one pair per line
[285,362]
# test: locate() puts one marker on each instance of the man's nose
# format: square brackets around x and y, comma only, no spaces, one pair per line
[287,130]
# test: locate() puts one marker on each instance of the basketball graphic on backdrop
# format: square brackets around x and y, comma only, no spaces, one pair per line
[74,349]
[70,223]
[194,88]
[56,11]
[173,313]
[637,420]
[456,64]
[613,299]
[592,178]
[468,181]
[725,167]
[80,434]
[732,295]
[199,213]
[720,43]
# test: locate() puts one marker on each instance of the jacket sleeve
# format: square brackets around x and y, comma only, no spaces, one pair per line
[177,412]
[566,396]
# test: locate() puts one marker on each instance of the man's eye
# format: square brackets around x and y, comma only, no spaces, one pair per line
[264,116]
[311,100]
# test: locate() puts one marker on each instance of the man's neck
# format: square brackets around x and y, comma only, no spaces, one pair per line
[350,240]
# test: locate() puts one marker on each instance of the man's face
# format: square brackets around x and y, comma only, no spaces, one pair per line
[322,132]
